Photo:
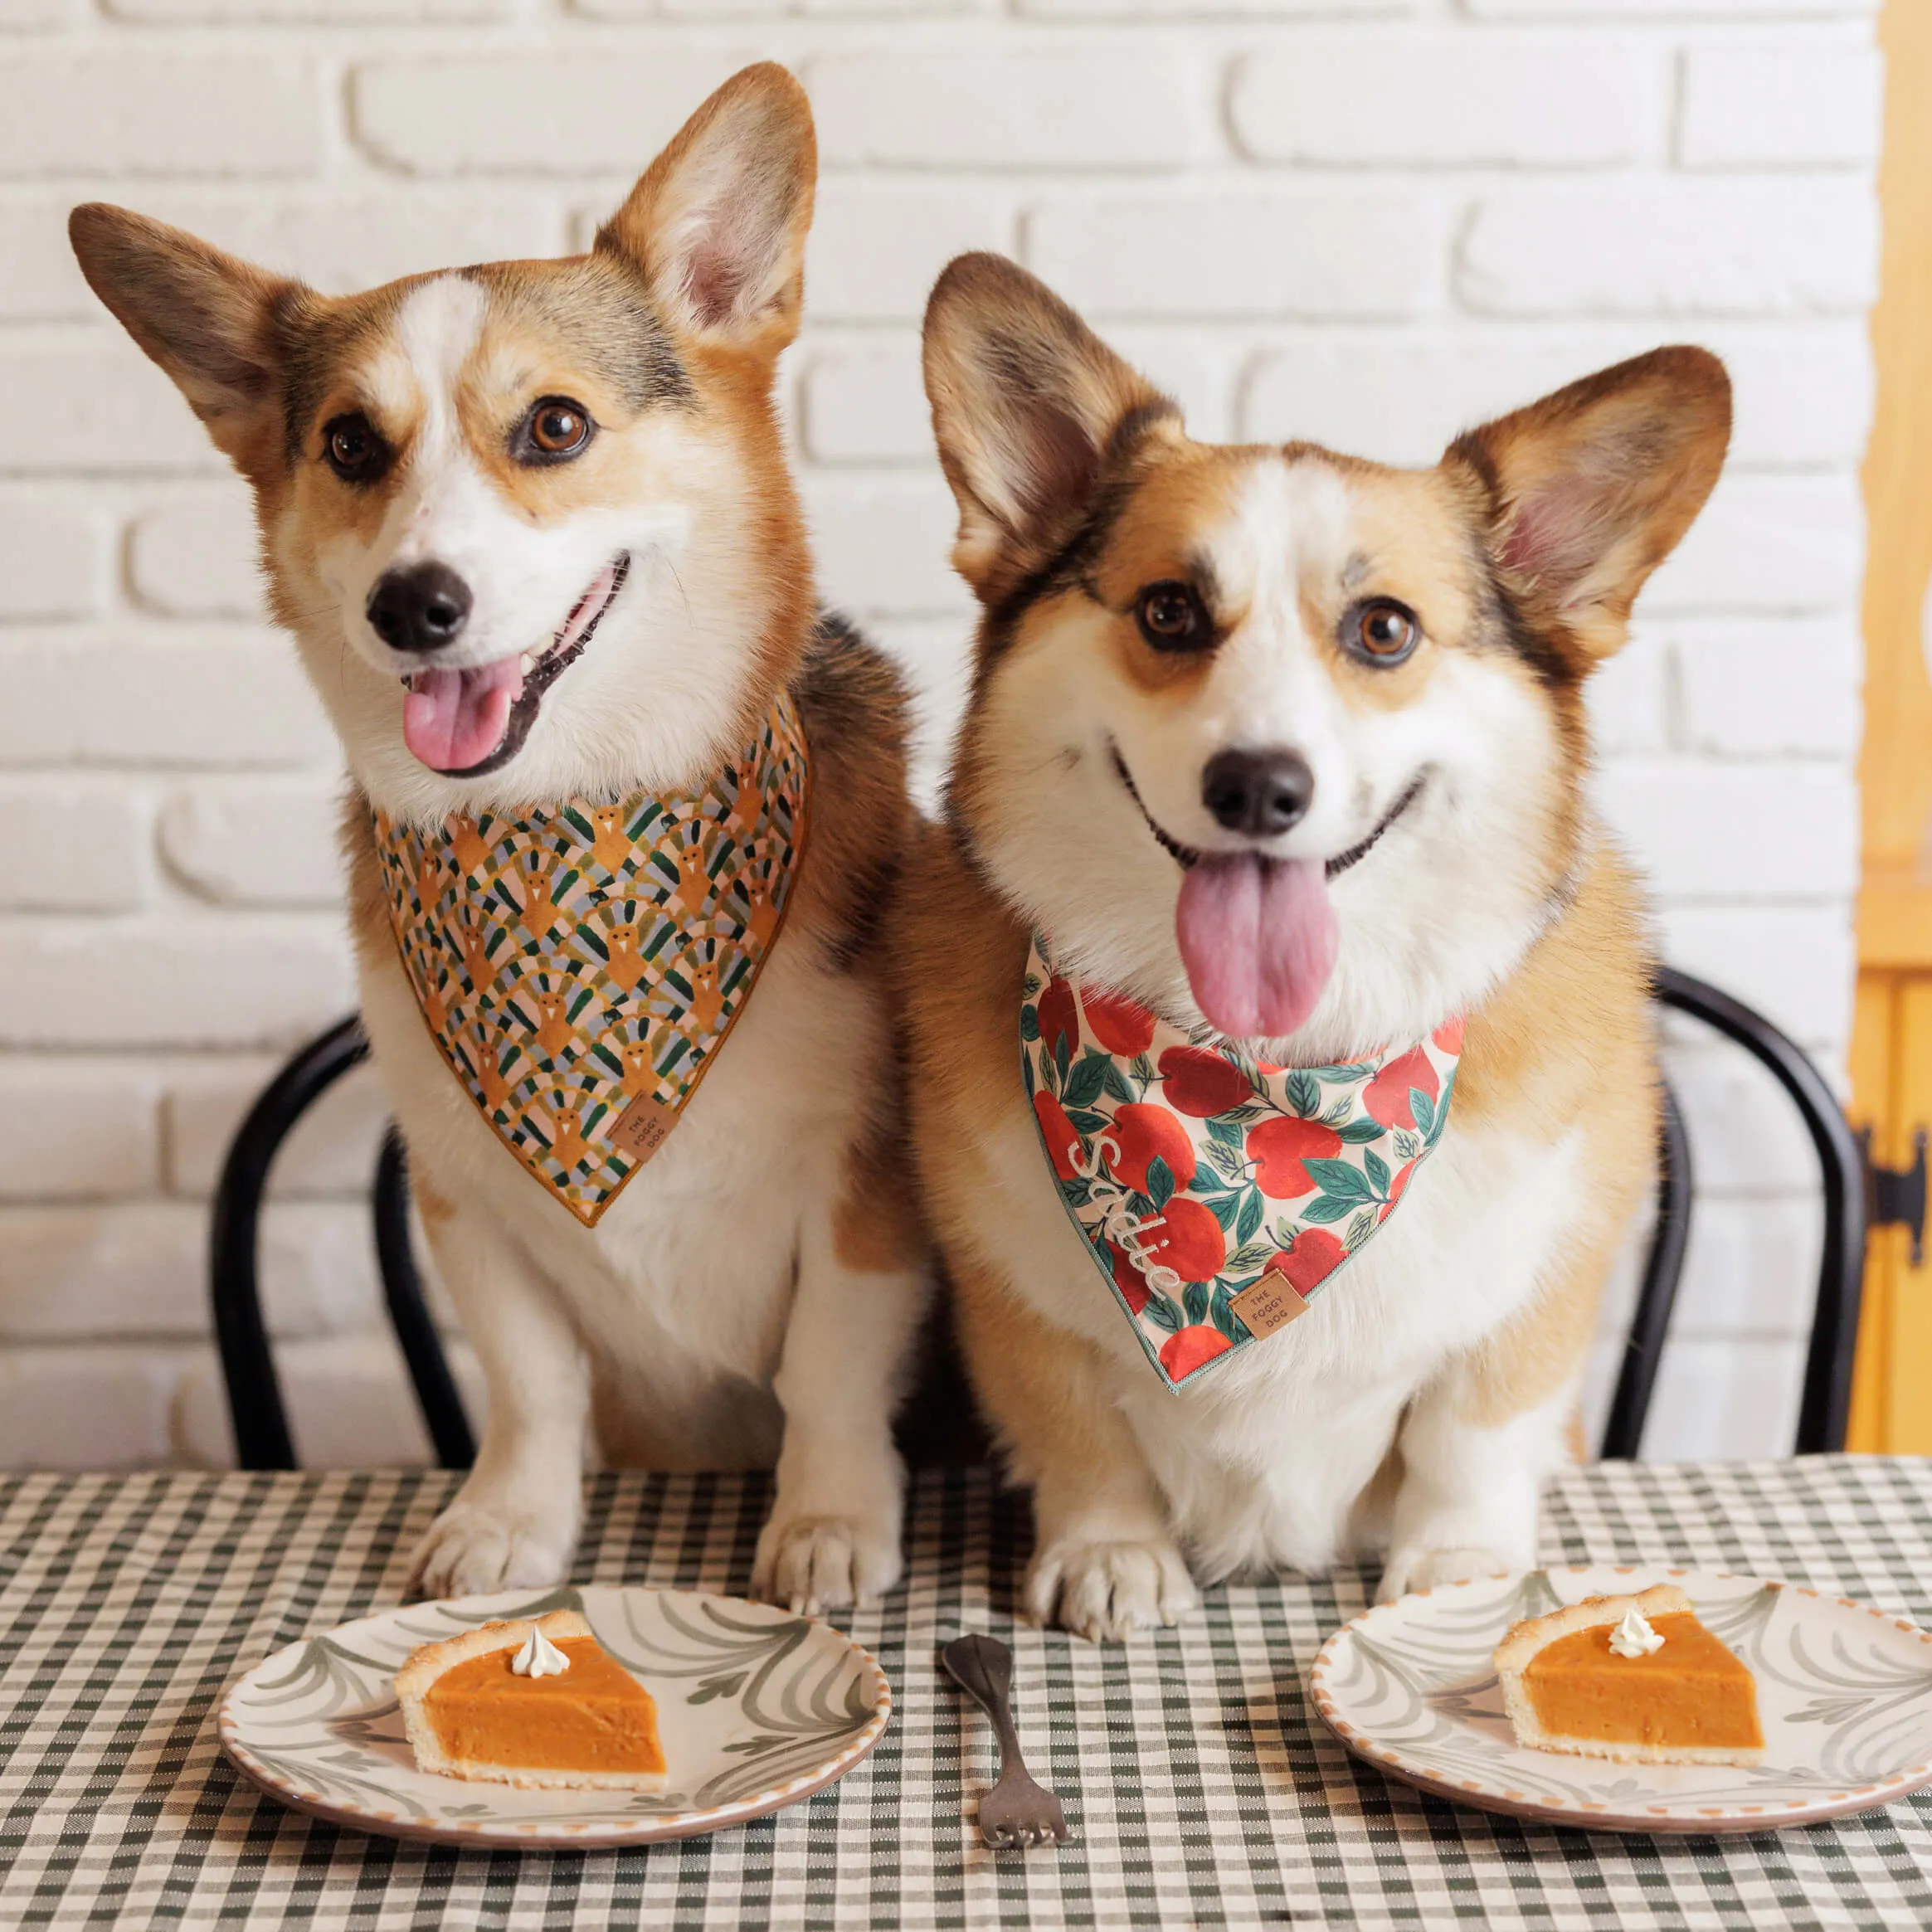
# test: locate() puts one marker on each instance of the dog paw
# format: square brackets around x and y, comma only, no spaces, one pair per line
[815,1564]
[1111,1590]
[1424,1569]
[472,1547]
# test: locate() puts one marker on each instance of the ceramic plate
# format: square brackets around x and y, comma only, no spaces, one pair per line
[1844,1694]
[758,1709]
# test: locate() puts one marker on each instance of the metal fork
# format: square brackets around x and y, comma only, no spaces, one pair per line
[1017,1812]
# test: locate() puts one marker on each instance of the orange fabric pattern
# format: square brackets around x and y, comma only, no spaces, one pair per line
[579,967]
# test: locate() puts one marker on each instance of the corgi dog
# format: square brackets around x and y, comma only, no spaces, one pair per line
[1279,756]
[532,528]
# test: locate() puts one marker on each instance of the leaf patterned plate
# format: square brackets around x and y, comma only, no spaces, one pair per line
[1844,1695]
[758,1709]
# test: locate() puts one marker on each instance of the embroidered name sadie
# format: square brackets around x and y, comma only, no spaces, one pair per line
[579,967]
[1217,1195]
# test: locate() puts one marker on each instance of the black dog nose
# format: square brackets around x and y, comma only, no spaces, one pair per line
[1257,793]
[422,607]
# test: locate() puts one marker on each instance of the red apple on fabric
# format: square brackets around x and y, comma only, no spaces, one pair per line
[1449,1036]
[1185,1350]
[1190,1240]
[1117,1023]
[1059,1013]
[1310,1260]
[1199,1082]
[1387,1095]
[1057,1131]
[1279,1148]
[1143,1131]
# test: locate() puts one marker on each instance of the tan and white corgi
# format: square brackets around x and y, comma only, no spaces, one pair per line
[532,527]
[1266,833]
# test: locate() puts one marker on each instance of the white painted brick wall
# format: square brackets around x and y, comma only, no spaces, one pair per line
[1367,221]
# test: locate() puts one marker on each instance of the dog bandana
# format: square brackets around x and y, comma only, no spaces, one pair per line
[580,967]
[1217,1195]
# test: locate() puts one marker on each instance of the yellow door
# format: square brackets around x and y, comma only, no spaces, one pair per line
[1891,1049]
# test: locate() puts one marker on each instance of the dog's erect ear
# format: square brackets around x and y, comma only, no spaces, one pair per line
[1591,489]
[719,223]
[1028,403]
[206,318]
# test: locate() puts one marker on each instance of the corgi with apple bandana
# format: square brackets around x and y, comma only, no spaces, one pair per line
[1217,1193]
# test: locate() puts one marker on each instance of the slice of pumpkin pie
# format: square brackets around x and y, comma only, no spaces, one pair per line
[1636,1678]
[538,1703]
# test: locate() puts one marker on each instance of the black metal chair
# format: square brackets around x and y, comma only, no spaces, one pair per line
[262,1440]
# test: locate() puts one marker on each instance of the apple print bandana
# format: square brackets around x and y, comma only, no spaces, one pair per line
[1217,1195]
[579,967]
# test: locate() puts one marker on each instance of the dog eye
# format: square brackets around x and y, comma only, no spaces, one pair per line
[1381,631]
[555,429]
[355,452]
[1172,617]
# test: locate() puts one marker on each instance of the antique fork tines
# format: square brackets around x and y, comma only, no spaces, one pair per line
[1017,1812]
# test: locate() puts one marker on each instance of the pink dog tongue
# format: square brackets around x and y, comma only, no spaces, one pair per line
[1258,938]
[452,720]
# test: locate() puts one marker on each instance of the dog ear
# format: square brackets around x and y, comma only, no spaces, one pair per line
[1591,489]
[717,223]
[206,318]
[1027,404]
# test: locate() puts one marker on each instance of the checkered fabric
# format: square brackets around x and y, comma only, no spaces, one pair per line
[1202,1788]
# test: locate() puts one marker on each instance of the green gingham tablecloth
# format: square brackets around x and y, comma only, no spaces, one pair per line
[1202,1788]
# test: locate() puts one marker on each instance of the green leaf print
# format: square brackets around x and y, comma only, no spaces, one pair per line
[1340,1178]
[1407,1145]
[1194,1304]
[1088,1081]
[1029,1023]
[1325,1208]
[1358,1133]
[1114,1081]
[1377,1170]
[1360,1229]
[1143,1072]
[1422,1108]
[1223,1207]
[1161,1312]
[1159,1183]
[1222,1132]
[1304,1093]
[1250,1217]
[1063,1058]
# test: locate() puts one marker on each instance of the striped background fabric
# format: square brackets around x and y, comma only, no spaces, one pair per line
[1201,1786]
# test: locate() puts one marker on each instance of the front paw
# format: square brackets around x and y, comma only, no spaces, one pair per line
[473,1547]
[1414,1569]
[813,1563]
[1111,1588]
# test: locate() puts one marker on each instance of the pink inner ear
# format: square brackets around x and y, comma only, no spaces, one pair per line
[713,276]
[1552,533]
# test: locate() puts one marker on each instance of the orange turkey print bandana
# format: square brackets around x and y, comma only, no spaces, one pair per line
[1217,1195]
[580,967]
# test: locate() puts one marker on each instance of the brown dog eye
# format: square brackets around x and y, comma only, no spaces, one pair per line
[355,452]
[1172,617]
[1381,631]
[557,428]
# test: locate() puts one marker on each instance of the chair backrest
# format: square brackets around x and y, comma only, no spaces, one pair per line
[262,1440]
[1826,1407]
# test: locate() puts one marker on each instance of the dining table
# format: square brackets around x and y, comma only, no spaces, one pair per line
[1201,1786]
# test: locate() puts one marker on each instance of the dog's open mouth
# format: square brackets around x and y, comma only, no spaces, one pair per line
[1258,934]
[465,723]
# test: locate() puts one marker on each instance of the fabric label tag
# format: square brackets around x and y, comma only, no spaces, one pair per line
[643,1127]
[1270,1304]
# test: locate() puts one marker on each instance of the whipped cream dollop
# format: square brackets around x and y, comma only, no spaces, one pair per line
[1634,1637]
[540,1657]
